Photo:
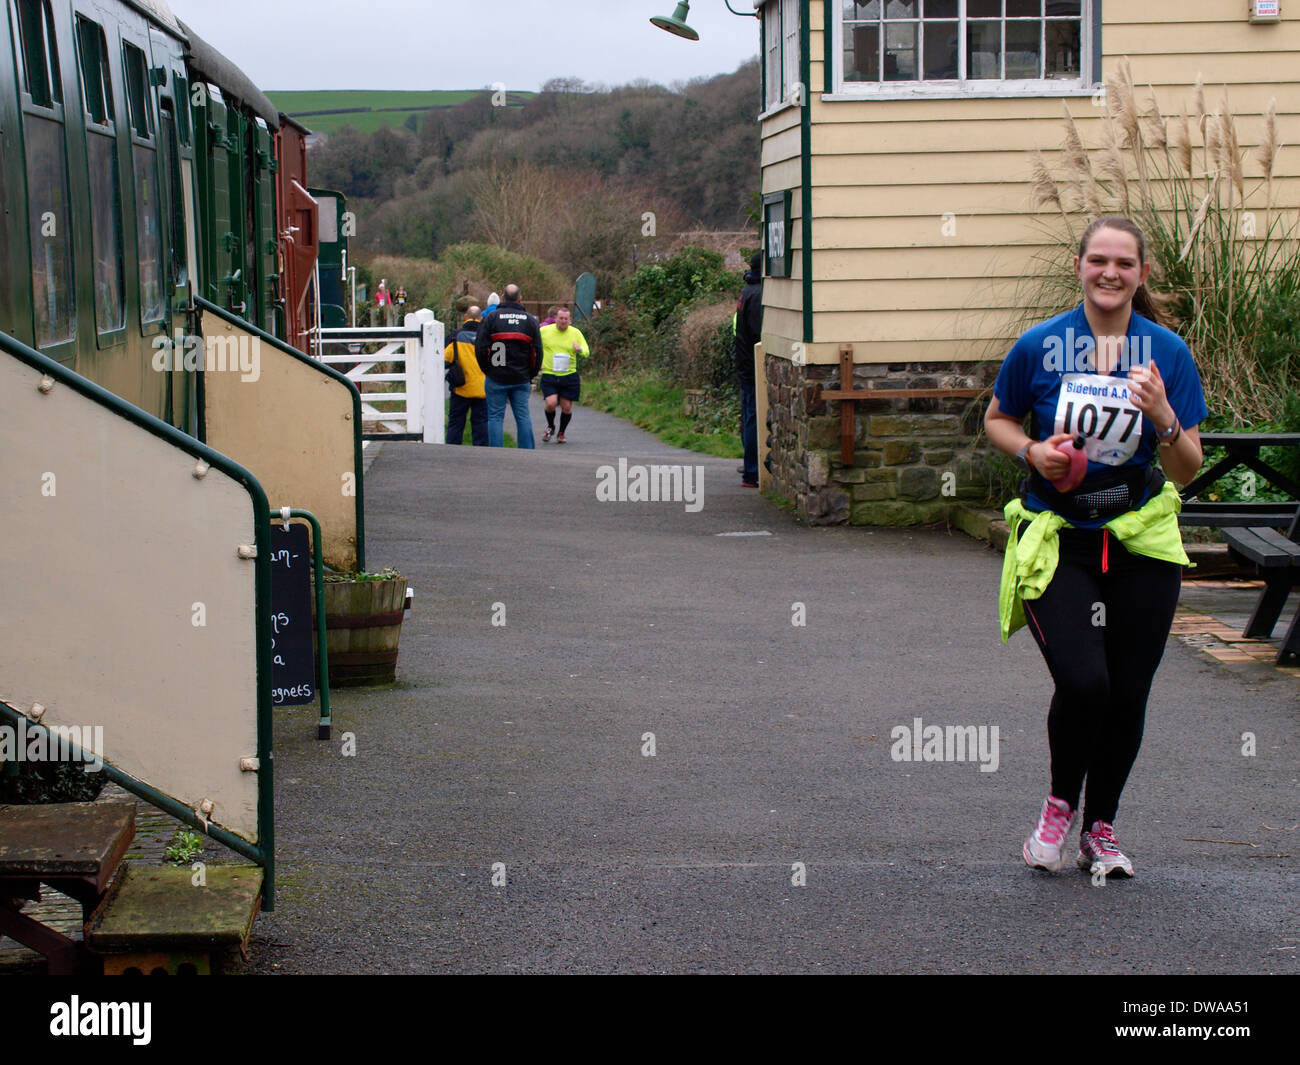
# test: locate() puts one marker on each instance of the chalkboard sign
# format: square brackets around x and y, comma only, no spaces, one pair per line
[293,670]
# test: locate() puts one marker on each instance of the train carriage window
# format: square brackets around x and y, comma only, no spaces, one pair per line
[105,182]
[182,94]
[40,53]
[153,303]
[137,92]
[96,76]
[171,164]
[48,202]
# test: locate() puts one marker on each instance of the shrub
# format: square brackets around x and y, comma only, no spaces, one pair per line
[660,289]
[707,345]
[37,783]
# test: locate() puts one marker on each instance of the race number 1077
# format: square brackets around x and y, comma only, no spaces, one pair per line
[1090,417]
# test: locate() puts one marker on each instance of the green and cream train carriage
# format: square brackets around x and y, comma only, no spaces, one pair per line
[139,215]
[138,171]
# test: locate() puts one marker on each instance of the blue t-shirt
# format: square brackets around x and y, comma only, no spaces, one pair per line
[1051,374]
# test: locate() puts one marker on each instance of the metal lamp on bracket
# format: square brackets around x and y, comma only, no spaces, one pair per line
[676,22]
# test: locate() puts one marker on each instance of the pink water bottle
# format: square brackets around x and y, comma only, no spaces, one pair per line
[1078,464]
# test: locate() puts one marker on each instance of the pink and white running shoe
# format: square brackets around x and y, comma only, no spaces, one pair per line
[1045,847]
[1098,851]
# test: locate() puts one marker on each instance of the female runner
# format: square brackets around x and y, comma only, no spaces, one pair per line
[1095,571]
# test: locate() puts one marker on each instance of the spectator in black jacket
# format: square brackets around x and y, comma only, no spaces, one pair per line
[509,351]
[749,331]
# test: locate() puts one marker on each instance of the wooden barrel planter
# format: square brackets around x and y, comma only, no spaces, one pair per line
[363,620]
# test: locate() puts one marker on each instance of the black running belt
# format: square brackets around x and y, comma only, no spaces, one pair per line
[1102,497]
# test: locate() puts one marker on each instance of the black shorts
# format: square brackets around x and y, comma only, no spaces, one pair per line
[566,386]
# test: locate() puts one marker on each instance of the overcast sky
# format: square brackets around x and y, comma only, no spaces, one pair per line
[453,44]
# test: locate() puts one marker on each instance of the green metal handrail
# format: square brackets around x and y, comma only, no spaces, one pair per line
[263,852]
[266,338]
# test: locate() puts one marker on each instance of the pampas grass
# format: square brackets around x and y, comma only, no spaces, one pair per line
[1228,283]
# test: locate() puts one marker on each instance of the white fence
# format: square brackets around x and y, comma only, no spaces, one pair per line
[417,411]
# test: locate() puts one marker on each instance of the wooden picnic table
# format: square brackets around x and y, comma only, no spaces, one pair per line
[1243,450]
[1251,529]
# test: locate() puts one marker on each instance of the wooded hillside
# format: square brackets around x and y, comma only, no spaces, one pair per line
[570,175]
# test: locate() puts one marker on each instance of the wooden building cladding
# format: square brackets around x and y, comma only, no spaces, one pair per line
[911,203]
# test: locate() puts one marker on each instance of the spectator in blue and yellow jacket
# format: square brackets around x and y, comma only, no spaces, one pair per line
[468,398]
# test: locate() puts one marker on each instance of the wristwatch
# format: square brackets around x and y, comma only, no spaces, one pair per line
[1022,457]
[1167,438]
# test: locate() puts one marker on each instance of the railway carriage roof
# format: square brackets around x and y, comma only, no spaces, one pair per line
[159,12]
[219,70]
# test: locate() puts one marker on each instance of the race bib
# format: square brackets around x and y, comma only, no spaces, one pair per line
[561,361]
[1100,409]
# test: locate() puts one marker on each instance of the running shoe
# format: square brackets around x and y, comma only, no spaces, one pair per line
[1098,852]
[560,439]
[548,434]
[1044,849]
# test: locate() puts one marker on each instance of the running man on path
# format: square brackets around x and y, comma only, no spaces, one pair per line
[562,345]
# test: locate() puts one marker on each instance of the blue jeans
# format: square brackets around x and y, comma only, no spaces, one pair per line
[749,430]
[517,397]
[476,409]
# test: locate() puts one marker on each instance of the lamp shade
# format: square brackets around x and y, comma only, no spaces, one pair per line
[676,23]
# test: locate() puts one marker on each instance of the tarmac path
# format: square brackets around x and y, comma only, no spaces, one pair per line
[522,744]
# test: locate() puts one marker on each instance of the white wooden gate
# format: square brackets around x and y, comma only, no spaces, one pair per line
[417,410]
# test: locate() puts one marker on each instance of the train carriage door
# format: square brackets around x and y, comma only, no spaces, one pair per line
[267,279]
[13,258]
[184,94]
[220,245]
[240,279]
[151,257]
[51,227]
[105,173]
[171,115]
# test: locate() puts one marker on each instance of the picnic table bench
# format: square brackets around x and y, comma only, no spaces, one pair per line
[1251,529]
[1276,558]
[74,848]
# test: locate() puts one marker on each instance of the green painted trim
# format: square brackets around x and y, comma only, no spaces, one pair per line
[152,796]
[762,62]
[329,371]
[1097,52]
[264,852]
[805,169]
[829,59]
[322,635]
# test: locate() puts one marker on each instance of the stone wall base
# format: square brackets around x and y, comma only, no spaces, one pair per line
[913,458]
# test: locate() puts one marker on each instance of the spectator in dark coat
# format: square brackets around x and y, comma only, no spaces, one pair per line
[749,331]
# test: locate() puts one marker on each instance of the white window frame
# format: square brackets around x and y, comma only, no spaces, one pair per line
[788,58]
[1084,85]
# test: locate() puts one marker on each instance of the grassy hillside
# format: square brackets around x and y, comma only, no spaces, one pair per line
[366,110]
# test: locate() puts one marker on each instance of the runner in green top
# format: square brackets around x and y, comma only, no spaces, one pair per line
[562,345]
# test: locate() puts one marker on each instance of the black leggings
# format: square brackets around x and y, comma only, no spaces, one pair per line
[1102,632]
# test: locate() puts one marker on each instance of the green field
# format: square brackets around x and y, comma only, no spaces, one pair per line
[367,110]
